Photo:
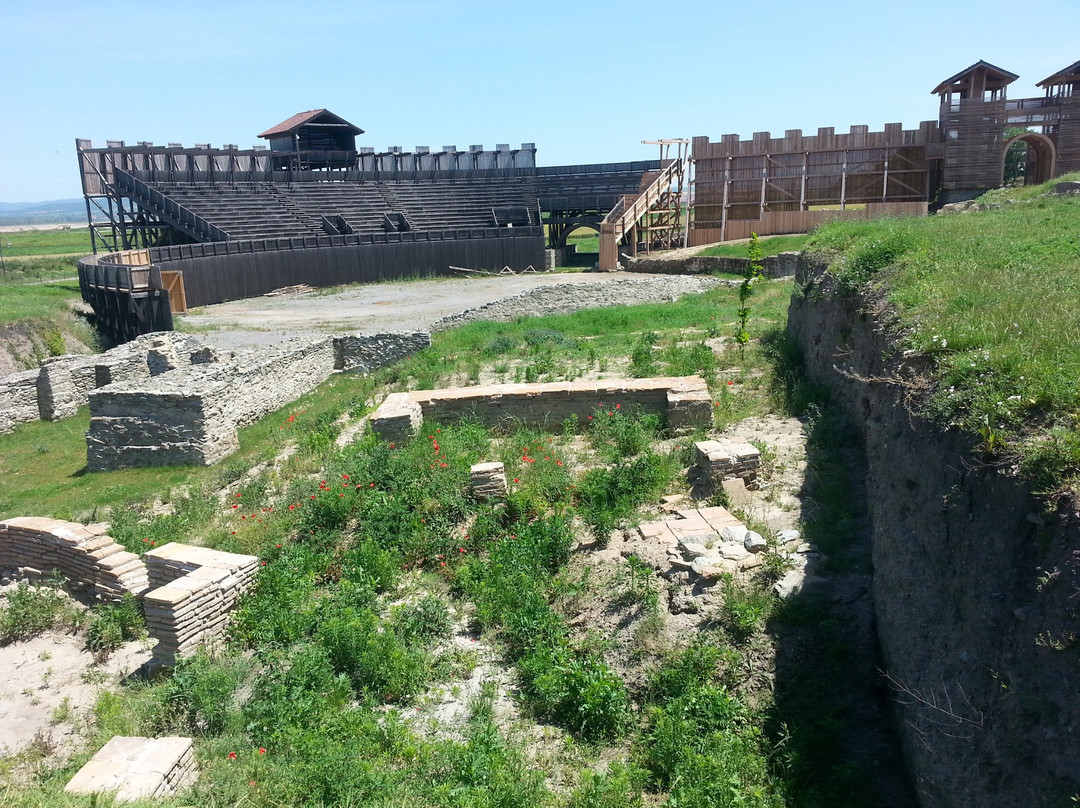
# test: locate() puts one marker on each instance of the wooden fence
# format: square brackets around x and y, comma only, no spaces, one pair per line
[795,221]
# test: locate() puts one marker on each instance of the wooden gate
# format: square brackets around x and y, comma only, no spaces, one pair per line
[173,283]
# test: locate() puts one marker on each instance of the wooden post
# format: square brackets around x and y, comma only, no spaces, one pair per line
[885,178]
[802,190]
[723,210]
[843,183]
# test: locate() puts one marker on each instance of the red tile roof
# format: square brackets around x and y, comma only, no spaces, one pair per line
[300,118]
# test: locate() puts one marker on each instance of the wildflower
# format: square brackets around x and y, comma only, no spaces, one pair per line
[263,564]
[344,476]
[278,546]
[516,480]
[235,507]
[262,750]
[442,563]
[291,507]
[730,383]
[231,756]
[371,485]
[618,406]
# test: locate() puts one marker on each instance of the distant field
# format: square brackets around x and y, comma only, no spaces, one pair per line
[64,241]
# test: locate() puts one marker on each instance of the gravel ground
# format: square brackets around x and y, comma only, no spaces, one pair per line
[425,305]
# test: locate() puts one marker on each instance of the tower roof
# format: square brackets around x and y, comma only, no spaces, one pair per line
[996,78]
[313,117]
[1067,76]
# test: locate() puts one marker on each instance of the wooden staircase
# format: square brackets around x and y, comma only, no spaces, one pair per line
[655,193]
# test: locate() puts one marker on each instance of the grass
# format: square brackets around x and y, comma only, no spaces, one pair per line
[57,241]
[991,297]
[770,245]
[374,554]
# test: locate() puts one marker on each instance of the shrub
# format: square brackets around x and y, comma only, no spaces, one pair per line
[294,690]
[198,696]
[619,787]
[113,624]
[33,609]
[426,619]
[577,689]
[608,495]
[380,665]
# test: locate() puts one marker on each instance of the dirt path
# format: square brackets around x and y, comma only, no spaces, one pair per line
[371,308]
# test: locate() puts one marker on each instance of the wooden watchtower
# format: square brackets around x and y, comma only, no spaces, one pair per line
[313,140]
[1063,128]
[972,117]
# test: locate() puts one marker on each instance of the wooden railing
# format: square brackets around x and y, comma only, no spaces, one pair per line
[629,211]
[177,214]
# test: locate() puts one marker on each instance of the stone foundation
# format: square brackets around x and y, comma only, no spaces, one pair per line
[683,400]
[84,555]
[189,416]
[195,589]
[721,460]
[18,399]
[63,383]
[134,768]
[368,352]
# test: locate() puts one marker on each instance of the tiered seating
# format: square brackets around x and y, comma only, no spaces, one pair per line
[244,210]
[590,187]
[362,204]
[451,204]
[251,210]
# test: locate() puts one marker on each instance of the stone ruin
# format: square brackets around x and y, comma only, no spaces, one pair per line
[684,400]
[170,399]
[187,592]
[133,769]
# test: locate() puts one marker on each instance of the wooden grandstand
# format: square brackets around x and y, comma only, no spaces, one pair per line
[209,225]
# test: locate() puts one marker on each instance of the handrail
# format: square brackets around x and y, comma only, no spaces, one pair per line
[153,198]
[632,207]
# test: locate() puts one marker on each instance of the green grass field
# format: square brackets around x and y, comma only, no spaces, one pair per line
[59,241]
[994,298]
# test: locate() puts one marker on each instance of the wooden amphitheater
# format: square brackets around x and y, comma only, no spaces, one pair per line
[175,226]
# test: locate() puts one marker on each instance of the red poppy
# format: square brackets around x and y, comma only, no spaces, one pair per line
[262,750]
[231,756]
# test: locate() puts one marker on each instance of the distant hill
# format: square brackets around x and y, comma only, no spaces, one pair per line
[56,211]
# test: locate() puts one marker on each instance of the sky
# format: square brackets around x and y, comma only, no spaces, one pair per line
[585,81]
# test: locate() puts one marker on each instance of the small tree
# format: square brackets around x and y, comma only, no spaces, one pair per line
[750,274]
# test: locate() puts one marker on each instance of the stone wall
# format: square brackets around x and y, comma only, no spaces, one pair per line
[190,416]
[976,580]
[187,591]
[18,399]
[368,352]
[782,265]
[34,547]
[195,588]
[63,383]
[684,400]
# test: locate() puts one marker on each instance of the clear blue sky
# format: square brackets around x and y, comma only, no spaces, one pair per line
[587,82]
